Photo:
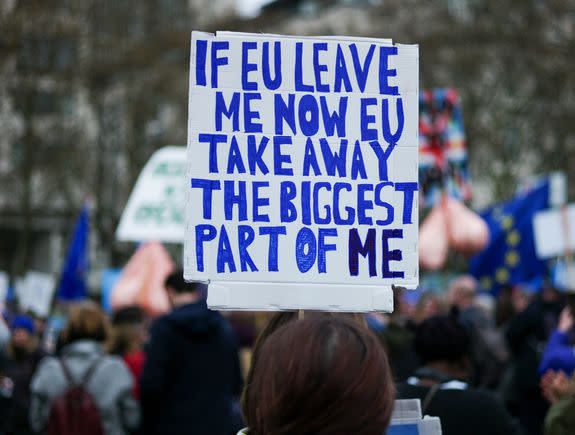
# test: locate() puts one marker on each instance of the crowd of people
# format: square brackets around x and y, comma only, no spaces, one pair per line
[482,364]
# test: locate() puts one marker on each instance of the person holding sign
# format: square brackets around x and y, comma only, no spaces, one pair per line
[322,375]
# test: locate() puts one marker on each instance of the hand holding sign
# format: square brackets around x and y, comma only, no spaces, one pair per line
[302,168]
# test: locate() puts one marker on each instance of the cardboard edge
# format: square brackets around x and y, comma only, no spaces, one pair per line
[263,296]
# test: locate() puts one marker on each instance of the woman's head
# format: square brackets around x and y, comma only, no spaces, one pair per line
[320,375]
[22,331]
[128,332]
[86,321]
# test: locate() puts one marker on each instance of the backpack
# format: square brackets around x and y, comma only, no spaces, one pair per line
[75,412]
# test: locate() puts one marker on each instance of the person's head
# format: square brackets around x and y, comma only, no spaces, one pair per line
[462,291]
[22,331]
[428,305]
[521,296]
[278,320]
[320,375]
[442,341]
[127,330]
[180,291]
[86,321]
[486,303]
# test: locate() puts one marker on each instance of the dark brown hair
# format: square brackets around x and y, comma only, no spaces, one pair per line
[127,330]
[321,375]
[86,321]
[276,321]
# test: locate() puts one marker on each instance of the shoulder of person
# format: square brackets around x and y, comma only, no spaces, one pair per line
[113,362]
[46,373]
[48,363]
[244,431]
[484,399]
[113,370]
[161,325]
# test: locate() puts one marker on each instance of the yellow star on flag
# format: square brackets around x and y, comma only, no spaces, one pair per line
[512,258]
[513,238]
[486,282]
[507,222]
[501,275]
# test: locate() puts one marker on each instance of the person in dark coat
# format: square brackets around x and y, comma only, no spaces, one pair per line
[397,338]
[6,391]
[526,335]
[443,345]
[489,353]
[22,357]
[191,381]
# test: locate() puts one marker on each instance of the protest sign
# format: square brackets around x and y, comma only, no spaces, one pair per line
[302,171]
[555,232]
[4,282]
[443,166]
[35,292]
[407,420]
[155,210]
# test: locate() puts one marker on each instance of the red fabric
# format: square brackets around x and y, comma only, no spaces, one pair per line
[135,362]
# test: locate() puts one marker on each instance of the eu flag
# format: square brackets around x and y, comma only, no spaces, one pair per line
[510,257]
[75,270]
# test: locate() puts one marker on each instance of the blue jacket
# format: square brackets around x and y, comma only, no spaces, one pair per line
[559,354]
[192,375]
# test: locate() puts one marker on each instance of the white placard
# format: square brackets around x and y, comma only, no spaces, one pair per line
[155,210]
[407,420]
[35,292]
[21,291]
[302,171]
[554,232]
[4,282]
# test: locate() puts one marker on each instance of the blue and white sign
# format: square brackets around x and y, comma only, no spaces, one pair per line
[302,171]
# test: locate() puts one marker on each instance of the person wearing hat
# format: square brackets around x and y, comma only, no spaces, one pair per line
[22,358]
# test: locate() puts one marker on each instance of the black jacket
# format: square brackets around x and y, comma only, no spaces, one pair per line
[19,367]
[191,375]
[469,412]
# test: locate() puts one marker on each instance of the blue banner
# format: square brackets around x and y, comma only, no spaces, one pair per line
[74,273]
[510,257]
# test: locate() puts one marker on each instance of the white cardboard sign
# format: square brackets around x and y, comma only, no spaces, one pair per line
[554,232]
[155,209]
[4,282]
[407,420]
[35,292]
[302,171]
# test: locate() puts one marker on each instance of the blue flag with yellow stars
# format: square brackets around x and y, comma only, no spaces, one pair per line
[75,270]
[510,257]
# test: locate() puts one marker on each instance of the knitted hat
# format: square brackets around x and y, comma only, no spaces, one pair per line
[22,321]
